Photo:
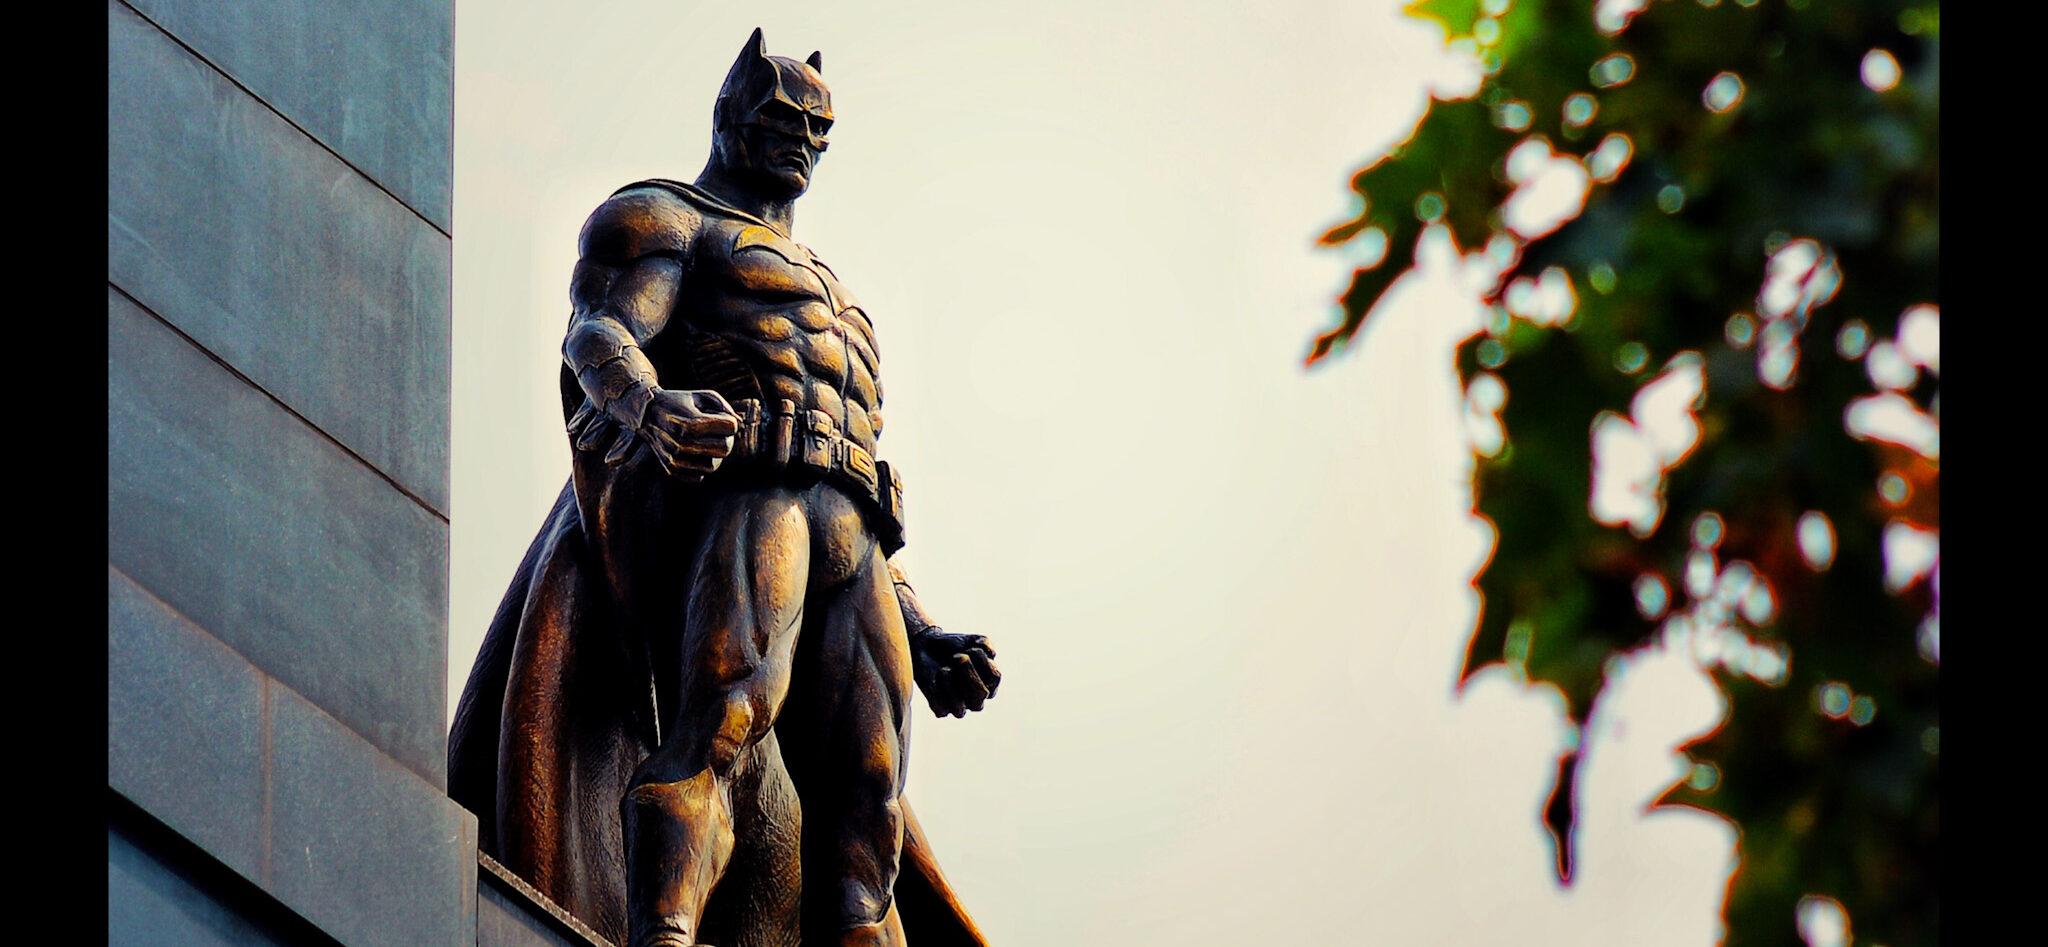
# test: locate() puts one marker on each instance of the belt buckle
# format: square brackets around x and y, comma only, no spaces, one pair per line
[860,465]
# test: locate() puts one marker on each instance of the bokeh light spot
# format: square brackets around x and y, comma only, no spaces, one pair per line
[1513,116]
[1740,330]
[1800,275]
[1723,93]
[1699,573]
[1484,398]
[1653,598]
[1579,109]
[1817,540]
[1759,606]
[1429,207]
[1833,699]
[1547,300]
[1489,392]
[1610,157]
[1630,357]
[1823,922]
[1498,320]
[1893,418]
[1910,554]
[1889,368]
[1853,340]
[1601,277]
[1893,488]
[1919,338]
[1550,188]
[1880,70]
[1613,70]
[1706,530]
[1671,199]
[1486,31]
[1492,354]
[1631,454]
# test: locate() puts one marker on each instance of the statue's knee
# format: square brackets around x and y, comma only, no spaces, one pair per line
[734,730]
[712,738]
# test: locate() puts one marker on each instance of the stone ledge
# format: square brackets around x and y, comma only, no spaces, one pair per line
[532,918]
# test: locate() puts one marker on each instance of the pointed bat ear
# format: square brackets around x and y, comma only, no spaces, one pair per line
[756,51]
[817,61]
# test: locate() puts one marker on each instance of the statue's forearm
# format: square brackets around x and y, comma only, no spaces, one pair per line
[610,367]
[616,308]
[915,618]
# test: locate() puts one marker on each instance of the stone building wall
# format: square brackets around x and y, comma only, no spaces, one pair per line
[278,319]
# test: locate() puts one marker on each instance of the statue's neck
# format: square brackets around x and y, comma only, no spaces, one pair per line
[779,213]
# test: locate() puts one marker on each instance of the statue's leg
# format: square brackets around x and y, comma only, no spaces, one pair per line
[746,602]
[845,735]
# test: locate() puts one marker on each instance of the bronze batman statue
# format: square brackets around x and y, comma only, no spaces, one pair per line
[689,721]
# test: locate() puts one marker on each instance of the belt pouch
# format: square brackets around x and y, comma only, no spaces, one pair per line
[748,441]
[817,441]
[890,491]
[785,432]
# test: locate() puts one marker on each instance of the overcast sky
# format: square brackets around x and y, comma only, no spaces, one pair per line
[1231,596]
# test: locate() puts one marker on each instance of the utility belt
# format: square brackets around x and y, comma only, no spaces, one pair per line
[808,443]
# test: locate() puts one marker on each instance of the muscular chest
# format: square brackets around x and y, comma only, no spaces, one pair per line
[759,283]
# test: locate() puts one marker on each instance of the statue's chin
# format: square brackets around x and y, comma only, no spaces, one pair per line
[783,184]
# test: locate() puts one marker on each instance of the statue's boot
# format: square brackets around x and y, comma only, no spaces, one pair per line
[678,840]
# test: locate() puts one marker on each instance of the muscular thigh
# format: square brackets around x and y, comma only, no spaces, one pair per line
[848,707]
[841,541]
[749,573]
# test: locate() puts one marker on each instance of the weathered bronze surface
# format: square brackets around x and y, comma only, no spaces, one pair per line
[690,719]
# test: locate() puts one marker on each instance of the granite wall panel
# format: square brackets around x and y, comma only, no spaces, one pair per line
[316,816]
[277,257]
[371,79]
[264,532]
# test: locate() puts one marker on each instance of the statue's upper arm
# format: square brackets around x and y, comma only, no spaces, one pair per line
[634,251]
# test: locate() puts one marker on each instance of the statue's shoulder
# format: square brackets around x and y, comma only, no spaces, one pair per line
[647,218]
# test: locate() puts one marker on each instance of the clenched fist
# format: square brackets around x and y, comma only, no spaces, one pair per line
[689,432]
[957,673]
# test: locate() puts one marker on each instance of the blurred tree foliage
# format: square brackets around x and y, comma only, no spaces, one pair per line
[1826,139]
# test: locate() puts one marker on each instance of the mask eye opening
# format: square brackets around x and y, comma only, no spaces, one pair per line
[781,116]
